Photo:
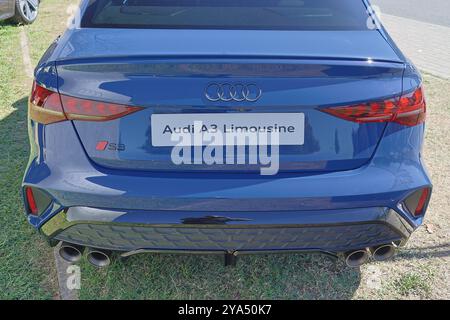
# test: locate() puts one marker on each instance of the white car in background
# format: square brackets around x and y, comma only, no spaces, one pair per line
[20,11]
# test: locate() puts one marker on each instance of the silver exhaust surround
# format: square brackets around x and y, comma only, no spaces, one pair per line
[99,258]
[357,258]
[384,252]
[70,252]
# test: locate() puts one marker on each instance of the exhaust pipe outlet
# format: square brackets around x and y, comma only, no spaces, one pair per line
[70,252]
[99,258]
[356,258]
[383,252]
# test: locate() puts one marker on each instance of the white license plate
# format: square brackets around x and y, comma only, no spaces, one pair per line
[289,126]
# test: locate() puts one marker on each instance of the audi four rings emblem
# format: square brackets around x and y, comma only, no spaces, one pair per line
[233,92]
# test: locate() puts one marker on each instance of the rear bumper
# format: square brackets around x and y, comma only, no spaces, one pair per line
[336,211]
[329,230]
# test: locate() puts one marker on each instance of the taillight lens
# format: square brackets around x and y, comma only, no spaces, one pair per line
[89,110]
[422,202]
[45,106]
[49,107]
[37,201]
[409,110]
[416,202]
[32,207]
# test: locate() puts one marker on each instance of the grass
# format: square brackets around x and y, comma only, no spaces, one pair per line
[25,259]
[26,262]
[412,284]
[156,276]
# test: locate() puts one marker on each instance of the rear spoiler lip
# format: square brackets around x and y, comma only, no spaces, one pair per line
[222,58]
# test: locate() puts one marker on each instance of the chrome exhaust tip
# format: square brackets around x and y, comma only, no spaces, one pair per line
[383,252]
[356,258]
[99,258]
[71,252]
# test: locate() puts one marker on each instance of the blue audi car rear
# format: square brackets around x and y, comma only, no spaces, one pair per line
[347,106]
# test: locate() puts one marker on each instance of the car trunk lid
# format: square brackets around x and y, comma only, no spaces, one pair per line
[168,74]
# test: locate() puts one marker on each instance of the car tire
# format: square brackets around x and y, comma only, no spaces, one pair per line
[24,12]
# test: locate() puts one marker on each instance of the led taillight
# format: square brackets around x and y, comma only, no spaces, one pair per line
[45,106]
[408,110]
[416,202]
[411,109]
[49,107]
[422,202]
[90,110]
[32,207]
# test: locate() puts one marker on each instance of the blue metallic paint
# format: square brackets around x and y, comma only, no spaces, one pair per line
[310,85]
[378,172]
[70,177]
